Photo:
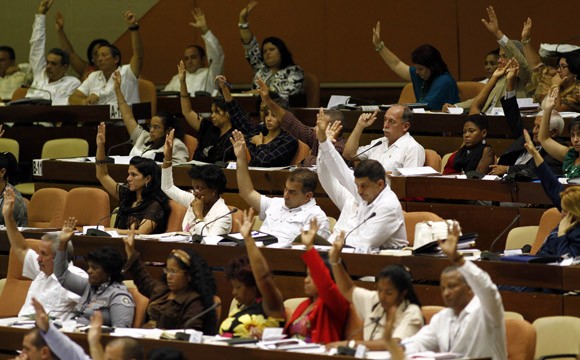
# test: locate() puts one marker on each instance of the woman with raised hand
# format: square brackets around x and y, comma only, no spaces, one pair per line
[203,202]
[432,82]
[142,204]
[272,62]
[394,290]
[186,289]
[103,290]
[567,155]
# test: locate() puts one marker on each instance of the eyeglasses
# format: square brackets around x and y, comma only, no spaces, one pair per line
[562,66]
[155,127]
[198,188]
[172,272]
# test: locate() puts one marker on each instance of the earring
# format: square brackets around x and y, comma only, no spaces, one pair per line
[484,141]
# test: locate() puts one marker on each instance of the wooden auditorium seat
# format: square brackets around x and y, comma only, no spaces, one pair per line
[46,208]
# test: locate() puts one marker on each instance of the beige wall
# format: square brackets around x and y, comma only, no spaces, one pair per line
[330,38]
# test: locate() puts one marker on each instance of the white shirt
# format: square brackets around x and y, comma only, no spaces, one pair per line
[97,84]
[140,136]
[385,230]
[219,227]
[9,83]
[48,290]
[286,224]
[406,152]
[408,317]
[478,331]
[59,90]
[203,78]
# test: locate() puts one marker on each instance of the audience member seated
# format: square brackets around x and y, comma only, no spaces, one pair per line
[103,291]
[272,62]
[8,170]
[566,79]
[268,144]
[565,238]
[394,289]
[12,76]
[142,204]
[283,217]
[516,159]
[39,267]
[50,79]
[475,154]
[186,289]
[213,135]
[397,149]
[508,49]
[567,155]
[149,144]
[200,68]
[359,195]
[79,65]
[203,202]
[63,347]
[473,322]
[99,87]
[490,63]
[432,82]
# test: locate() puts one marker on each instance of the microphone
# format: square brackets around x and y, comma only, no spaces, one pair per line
[223,163]
[108,158]
[97,232]
[204,92]
[372,215]
[198,238]
[184,335]
[34,101]
[364,151]
[490,255]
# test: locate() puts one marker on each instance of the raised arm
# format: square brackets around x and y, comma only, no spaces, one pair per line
[481,98]
[78,64]
[102,170]
[552,147]
[124,108]
[352,143]
[531,54]
[17,241]
[37,57]
[66,278]
[247,192]
[213,48]
[243,24]
[398,67]
[273,300]
[136,44]
[341,277]
[191,116]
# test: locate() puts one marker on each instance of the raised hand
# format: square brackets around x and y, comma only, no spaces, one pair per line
[333,130]
[558,80]
[501,69]
[197,206]
[392,345]
[377,35]
[247,224]
[59,21]
[367,119]
[550,100]
[199,20]
[308,236]
[321,126]
[449,247]
[527,30]
[529,144]
[130,17]
[181,71]
[68,229]
[44,6]
[94,333]
[101,134]
[245,13]
[168,146]
[40,316]
[129,242]
[512,69]
[239,144]
[8,204]
[493,24]
[117,80]
[337,245]
[263,89]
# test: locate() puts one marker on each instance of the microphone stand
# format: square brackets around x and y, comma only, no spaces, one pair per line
[197,238]
[108,158]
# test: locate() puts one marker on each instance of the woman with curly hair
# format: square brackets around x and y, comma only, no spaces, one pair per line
[142,204]
[186,289]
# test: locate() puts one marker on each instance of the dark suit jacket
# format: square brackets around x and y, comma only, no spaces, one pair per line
[513,152]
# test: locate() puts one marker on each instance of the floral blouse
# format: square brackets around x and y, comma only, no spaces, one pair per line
[243,319]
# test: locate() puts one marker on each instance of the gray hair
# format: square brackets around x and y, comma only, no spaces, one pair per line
[53,237]
[556,121]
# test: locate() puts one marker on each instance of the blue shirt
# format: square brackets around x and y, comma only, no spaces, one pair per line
[443,90]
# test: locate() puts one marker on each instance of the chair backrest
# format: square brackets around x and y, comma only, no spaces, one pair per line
[291,304]
[557,335]
[19,93]
[16,286]
[407,95]
[331,223]
[10,145]
[175,219]
[141,303]
[63,148]
[548,222]
[239,216]
[148,93]
[301,153]
[88,205]
[312,90]
[411,220]
[513,315]
[520,339]
[46,208]
[432,159]
[469,89]
[444,161]
[430,310]
[191,144]
[353,325]
[257,223]
[520,236]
